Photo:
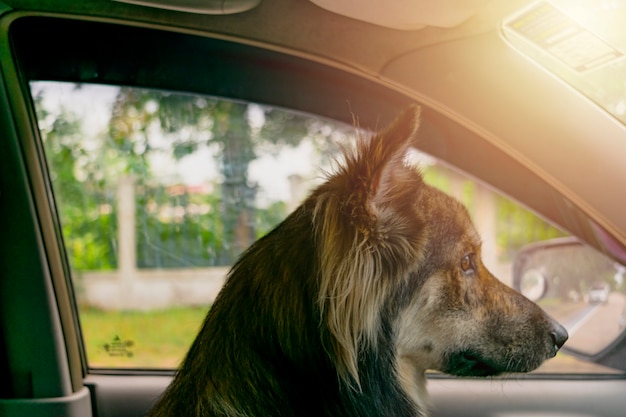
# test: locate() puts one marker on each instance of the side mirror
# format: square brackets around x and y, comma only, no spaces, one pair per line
[582,289]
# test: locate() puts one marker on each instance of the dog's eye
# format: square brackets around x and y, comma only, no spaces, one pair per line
[467,264]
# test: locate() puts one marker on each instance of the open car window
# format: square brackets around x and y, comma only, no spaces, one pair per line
[159,192]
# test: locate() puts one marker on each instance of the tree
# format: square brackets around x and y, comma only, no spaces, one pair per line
[237,129]
[89,225]
[146,124]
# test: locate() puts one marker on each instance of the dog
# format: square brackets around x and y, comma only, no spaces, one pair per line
[341,309]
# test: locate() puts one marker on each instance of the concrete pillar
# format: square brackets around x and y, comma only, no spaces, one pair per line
[483,211]
[127,252]
[296,192]
[485,222]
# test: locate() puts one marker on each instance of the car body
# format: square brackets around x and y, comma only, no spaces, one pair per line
[598,293]
[509,111]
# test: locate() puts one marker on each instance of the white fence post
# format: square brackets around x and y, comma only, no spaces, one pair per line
[131,288]
[127,252]
[485,218]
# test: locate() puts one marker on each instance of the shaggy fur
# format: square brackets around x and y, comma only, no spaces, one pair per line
[340,310]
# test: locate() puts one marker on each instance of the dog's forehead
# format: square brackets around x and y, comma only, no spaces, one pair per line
[467,233]
[472,237]
[450,217]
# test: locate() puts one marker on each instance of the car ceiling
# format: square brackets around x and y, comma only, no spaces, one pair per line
[297,25]
[455,61]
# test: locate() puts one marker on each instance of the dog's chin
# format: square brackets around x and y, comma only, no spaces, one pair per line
[468,363]
[472,363]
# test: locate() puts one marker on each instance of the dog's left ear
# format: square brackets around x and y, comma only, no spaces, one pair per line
[388,148]
[377,174]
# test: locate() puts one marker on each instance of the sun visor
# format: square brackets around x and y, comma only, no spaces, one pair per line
[405,14]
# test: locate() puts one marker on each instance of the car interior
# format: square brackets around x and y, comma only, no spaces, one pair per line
[523,105]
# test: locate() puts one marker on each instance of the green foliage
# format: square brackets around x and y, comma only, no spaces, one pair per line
[89,233]
[268,218]
[518,226]
[177,227]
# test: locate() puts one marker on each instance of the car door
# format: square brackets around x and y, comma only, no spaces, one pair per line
[40,354]
[73,343]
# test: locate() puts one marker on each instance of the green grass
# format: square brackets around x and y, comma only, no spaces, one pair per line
[135,339]
[160,339]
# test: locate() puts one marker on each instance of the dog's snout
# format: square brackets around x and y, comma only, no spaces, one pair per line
[558,335]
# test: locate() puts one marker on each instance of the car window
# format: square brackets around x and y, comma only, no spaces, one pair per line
[159,192]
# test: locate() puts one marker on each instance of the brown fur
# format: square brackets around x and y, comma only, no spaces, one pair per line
[341,309]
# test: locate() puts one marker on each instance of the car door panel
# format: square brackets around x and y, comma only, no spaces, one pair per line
[133,395]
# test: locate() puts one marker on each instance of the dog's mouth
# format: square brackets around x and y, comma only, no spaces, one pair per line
[469,363]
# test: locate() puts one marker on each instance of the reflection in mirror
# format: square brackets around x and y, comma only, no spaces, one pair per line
[533,284]
[580,287]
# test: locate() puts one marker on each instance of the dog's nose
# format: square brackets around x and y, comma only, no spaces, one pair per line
[559,336]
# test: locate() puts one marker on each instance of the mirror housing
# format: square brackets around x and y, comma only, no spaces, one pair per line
[582,289]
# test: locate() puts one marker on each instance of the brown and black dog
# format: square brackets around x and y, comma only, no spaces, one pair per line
[339,311]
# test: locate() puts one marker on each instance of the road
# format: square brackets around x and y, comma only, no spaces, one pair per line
[595,326]
[580,318]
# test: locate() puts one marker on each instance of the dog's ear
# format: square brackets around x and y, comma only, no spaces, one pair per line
[376,172]
[366,236]
[387,148]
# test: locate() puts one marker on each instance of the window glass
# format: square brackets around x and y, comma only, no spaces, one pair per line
[158,193]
